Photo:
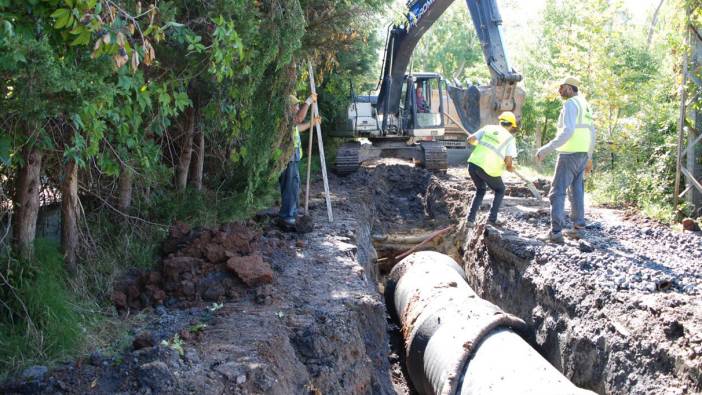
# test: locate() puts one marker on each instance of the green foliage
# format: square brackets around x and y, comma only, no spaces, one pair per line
[630,86]
[451,47]
[38,318]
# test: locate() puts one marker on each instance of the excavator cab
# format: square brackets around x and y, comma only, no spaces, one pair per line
[422,112]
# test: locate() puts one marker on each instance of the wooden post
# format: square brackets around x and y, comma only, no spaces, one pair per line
[315,113]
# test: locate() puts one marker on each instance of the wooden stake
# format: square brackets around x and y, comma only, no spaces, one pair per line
[320,144]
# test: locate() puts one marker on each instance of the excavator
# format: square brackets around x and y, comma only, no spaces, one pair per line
[415,115]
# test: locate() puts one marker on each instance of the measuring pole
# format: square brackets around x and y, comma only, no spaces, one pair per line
[320,144]
[309,165]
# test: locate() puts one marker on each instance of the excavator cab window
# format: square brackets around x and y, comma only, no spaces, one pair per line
[428,105]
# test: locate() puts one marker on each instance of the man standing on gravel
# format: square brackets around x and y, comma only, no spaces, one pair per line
[495,148]
[575,143]
[290,179]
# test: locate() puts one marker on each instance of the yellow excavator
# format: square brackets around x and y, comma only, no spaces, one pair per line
[414,115]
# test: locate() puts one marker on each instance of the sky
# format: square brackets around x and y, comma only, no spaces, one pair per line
[516,14]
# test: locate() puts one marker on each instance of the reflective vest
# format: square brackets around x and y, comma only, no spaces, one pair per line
[489,154]
[297,143]
[584,132]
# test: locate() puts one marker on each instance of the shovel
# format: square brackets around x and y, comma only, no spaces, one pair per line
[530,185]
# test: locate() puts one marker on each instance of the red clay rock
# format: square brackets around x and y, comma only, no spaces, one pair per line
[178,230]
[215,253]
[174,266]
[154,277]
[690,225]
[143,340]
[119,299]
[176,233]
[251,269]
[195,266]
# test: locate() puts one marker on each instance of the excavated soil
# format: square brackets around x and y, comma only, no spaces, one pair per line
[245,308]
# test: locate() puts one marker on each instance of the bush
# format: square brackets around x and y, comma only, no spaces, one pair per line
[38,318]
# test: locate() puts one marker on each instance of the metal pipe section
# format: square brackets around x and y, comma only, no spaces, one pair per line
[458,343]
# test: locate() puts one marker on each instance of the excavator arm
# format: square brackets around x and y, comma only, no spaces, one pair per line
[403,39]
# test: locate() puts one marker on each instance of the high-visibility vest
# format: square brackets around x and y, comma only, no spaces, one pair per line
[584,132]
[489,154]
[297,143]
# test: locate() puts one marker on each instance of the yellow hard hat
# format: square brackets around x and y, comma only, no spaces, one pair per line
[508,117]
[293,100]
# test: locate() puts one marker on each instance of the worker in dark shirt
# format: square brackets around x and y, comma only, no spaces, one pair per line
[422,105]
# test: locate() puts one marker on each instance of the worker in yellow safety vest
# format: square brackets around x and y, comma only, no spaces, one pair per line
[495,147]
[290,179]
[575,143]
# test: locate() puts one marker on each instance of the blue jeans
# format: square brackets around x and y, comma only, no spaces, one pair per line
[289,191]
[570,171]
[481,179]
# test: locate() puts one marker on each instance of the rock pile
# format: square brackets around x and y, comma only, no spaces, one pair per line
[198,264]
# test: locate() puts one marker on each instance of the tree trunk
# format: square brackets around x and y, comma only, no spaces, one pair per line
[26,202]
[125,189]
[538,138]
[185,151]
[654,21]
[69,215]
[197,165]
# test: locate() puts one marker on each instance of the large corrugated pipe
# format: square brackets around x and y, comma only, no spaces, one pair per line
[458,343]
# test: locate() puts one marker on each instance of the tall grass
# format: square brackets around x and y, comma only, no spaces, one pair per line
[38,320]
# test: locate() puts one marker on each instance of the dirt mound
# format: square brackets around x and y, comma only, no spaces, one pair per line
[403,197]
[521,190]
[198,264]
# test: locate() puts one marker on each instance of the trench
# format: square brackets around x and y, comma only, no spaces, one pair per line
[618,313]
[418,211]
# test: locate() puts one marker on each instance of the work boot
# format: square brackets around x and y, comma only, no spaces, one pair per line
[575,233]
[286,224]
[498,223]
[551,237]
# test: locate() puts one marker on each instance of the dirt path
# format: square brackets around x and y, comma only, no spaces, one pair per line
[619,314]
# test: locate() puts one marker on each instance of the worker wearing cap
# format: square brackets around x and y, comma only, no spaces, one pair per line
[495,148]
[290,179]
[575,143]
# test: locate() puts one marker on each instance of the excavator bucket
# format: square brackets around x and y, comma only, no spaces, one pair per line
[477,106]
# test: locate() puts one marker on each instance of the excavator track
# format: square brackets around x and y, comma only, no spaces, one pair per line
[435,156]
[347,158]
